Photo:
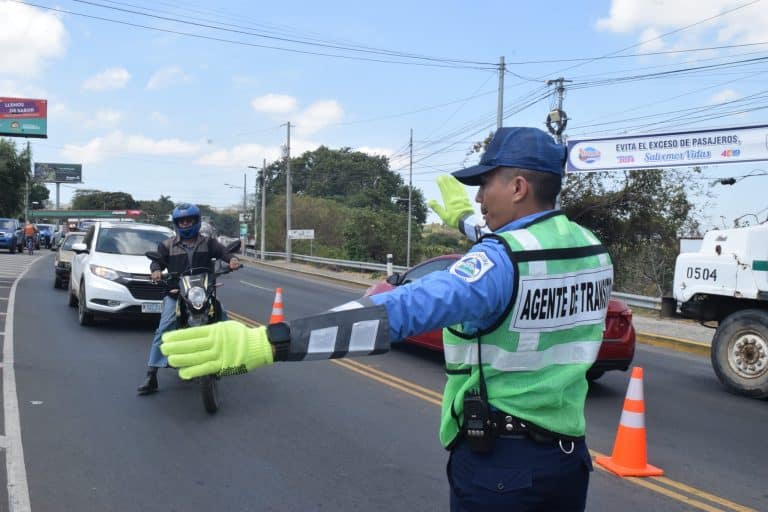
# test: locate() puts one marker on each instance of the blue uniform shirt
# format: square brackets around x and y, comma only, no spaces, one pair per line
[473,292]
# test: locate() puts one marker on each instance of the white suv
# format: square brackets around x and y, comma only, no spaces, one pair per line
[110,273]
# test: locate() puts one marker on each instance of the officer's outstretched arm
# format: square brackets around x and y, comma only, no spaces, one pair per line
[230,348]
[457,212]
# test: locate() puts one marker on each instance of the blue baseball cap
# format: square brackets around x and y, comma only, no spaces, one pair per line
[520,147]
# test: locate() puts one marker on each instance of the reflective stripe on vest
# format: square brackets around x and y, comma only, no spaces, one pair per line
[536,356]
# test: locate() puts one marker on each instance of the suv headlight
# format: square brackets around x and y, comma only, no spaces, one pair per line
[106,273]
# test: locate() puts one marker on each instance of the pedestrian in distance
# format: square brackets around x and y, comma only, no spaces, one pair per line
[523,313]
[188,249]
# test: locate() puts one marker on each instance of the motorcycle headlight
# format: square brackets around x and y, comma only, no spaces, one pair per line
[196,297]
[106,273]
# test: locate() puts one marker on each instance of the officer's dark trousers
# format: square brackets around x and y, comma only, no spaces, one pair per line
[519,475]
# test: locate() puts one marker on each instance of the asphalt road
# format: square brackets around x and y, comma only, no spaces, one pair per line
[330,435]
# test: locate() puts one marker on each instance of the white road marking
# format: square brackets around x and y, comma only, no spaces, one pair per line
[16,470]
[257,286]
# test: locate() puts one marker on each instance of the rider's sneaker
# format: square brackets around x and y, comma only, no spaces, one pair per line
[149,385]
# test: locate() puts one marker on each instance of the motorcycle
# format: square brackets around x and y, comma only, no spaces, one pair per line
[197,305]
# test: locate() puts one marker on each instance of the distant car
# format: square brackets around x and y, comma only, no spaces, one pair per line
[110,273]
[10,235]
[616,352]
[62,262]
[45,235]
[58,237]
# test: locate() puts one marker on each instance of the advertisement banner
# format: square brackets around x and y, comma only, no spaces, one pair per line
[22,117]
[58,173]
[659,150]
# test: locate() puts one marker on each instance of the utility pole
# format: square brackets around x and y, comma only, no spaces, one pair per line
[245,210]
[500,107]
[263,205]
[557,119]
[288,193]
[410,189]
[26,184]
[256,183]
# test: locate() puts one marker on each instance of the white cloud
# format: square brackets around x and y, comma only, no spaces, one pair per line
[28,38]
[274,103]
[319,115]
[242,155]
[746,25]
[167,77]
[374,151]
[104,118]
[112,78]
[724,95]
[159,118]
[117,143]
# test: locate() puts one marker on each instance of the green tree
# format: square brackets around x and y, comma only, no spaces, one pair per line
[156,211]
[14,172]
[38,195]
[90,199]
[359,184]
[639,216]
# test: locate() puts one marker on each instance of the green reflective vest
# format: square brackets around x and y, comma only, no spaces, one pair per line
[536,355]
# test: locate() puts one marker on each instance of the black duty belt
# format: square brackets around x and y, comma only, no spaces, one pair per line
[506,425]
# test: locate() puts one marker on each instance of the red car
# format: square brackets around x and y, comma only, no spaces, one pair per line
[616,352]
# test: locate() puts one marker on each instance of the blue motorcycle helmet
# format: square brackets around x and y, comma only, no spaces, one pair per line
[183,211]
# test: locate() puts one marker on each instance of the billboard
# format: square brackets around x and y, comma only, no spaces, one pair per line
[58,173]
[658,150]
[22,117]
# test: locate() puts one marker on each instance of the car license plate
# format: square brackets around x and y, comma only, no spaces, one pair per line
[150,307]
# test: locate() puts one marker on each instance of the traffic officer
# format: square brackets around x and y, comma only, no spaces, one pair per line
[523,313]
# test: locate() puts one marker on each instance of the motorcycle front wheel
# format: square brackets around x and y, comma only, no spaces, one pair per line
[210,392]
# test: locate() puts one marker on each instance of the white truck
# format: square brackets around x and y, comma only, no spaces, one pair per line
[726,282]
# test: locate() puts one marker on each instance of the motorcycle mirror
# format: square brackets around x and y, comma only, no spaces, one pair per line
[153,255]
[394,279]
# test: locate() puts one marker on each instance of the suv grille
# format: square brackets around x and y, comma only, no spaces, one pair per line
[145,290]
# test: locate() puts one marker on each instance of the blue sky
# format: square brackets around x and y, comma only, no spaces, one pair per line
[153,112]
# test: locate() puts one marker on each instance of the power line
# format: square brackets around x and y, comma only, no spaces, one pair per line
[661,36]
[252,45]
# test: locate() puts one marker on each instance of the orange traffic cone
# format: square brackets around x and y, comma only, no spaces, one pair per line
[277,308]
[629,456]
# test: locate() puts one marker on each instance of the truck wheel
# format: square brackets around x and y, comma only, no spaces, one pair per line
[740,353]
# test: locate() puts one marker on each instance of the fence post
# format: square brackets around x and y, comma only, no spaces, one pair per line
[389,265]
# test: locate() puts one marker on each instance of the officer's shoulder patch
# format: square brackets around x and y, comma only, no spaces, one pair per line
[472,266]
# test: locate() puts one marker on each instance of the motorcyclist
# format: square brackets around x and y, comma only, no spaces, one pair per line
[188,249]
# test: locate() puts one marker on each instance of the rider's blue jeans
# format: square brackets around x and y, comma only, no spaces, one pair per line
[167,323]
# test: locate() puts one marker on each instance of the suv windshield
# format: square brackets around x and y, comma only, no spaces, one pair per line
[6,224]
[129,241]
[71,240]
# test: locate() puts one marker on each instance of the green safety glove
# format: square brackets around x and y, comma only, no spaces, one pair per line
[456,201]
[223,348]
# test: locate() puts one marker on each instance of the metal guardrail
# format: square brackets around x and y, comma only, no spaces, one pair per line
[350,264]
[639,301]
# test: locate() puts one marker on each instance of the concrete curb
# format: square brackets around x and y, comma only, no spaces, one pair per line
[679,344]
